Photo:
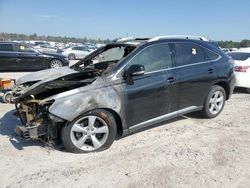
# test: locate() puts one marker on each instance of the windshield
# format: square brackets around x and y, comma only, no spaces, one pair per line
[104,59]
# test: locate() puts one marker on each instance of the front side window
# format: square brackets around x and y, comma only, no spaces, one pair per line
[188,53]
[6,47]
[23,48]
[154,58]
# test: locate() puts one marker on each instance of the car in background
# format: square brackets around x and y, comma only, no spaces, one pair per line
[76,52]
[46,48]
[15,56]
[242,69]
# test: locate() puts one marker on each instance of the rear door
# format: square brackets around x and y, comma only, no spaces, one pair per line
[195,73]
[7,57]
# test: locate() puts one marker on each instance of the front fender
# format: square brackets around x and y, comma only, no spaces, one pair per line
[72,106]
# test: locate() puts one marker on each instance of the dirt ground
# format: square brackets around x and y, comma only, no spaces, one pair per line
[185,152]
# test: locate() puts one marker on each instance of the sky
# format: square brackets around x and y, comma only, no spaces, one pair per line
[214,19]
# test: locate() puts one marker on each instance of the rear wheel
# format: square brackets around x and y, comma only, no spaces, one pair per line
[92,131]
[214,102]
[55,63]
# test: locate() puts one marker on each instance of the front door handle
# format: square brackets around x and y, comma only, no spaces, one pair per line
[171,79]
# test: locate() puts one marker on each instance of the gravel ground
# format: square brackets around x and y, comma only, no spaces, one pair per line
[185,152]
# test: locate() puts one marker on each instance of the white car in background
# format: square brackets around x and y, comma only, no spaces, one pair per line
[46,48]
[241,68]
[76,52]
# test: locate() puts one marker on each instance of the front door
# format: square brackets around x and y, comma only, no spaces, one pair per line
[153,94]
[29,59]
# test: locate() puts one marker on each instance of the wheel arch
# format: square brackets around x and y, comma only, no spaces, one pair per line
[225,86]
[118,121]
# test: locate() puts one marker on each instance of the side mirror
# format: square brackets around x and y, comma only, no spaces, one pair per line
[133,70]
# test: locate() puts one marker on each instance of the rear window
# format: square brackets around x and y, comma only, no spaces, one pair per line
[239,56]
[6,47]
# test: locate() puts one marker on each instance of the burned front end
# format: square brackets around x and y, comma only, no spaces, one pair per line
[36,120]
[33,107]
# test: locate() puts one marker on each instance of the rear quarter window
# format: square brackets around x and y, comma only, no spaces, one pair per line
[210,55]
[6,47]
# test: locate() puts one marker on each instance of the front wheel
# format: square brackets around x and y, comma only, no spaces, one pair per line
[92,131]
[214,102]
[56,63]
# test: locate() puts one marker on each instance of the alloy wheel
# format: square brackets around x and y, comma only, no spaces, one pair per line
[216,102]
[89,133]
[55,64]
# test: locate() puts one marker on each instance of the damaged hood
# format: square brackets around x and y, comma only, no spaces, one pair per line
[45,75]
[58,83]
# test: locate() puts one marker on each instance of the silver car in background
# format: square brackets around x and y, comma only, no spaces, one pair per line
[76,52]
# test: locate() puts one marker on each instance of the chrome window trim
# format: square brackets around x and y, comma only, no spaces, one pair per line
[172,68]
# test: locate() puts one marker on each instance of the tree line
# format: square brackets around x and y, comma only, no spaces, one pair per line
[35,37]
[65,39]
[231,44]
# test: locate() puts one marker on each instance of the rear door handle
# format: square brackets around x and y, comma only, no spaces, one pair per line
[210,71]
[171,79]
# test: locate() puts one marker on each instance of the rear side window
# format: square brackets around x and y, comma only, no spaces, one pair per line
[23,48]
[210,55]
[154,58]
[6,47]
[239,56]
[188,53]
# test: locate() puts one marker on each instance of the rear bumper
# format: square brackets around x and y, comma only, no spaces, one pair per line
[242,79]
[65,63]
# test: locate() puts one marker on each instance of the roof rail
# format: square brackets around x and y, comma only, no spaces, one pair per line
[178,37]
[127,39]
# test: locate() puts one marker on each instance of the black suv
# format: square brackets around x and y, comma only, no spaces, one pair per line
[121,88]
[15,56]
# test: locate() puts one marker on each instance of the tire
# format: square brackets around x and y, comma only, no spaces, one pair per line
[71,57]
[7,97]
[56,63]
[81,136]
[214,102]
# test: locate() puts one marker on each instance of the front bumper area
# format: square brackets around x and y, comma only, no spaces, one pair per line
[27,133]
[36,122]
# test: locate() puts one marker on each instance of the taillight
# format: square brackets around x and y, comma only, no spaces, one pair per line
[241,68]
[231,61]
